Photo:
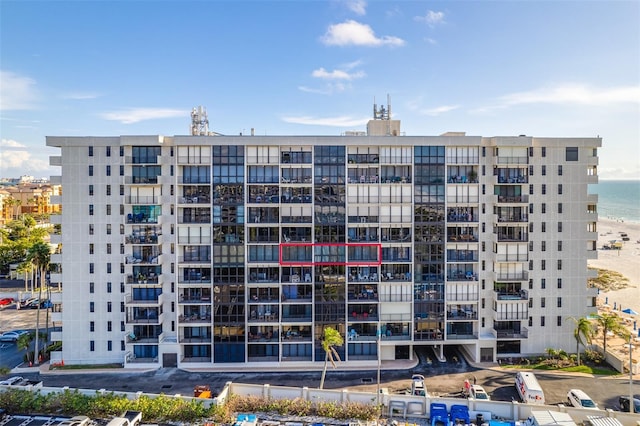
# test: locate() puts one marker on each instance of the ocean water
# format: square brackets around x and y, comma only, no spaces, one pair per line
[618,199]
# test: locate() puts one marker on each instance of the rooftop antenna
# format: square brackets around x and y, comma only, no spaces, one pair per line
[199,122]
[382,113]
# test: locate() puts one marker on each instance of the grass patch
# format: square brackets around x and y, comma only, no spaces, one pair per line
[587,369]
[85,366]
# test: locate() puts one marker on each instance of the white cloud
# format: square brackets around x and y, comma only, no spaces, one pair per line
[343,121]
[135,115]
[17,92]
[18,162]
[439,110]
[431,40]
[431,18]
[574,94]
[81,96]
[359,7]
[329,89]
[10,143]
[356,34]
[336,74]
[567,94]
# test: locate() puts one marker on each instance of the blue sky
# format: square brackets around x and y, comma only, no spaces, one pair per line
[490,68]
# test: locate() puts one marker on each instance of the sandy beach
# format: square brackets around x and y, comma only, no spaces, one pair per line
[625,261]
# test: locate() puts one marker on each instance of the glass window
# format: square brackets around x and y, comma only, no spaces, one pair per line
[571,154]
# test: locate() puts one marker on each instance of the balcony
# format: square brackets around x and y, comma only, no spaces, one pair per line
[131,300]
[513,199]
[522,333]
[140,315]
[512,276]
[142,199]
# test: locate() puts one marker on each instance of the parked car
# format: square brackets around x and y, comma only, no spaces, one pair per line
[579,398]
[28,301]
[76,421]
[624,403]
[6,301]
[43,304]
[478,392]
[12,336]
[12,381]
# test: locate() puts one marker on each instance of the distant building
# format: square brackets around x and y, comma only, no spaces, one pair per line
[209,251]
[27,198]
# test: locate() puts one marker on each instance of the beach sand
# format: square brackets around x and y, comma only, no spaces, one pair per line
[625,261]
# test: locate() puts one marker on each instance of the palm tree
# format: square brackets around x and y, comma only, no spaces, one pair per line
[610,322]
[40,255]
[24,342]
[584,329]
[331,338]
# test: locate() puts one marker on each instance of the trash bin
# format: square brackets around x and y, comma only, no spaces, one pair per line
[479,419]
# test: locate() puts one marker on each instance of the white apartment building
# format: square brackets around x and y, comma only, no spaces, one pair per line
[236,251]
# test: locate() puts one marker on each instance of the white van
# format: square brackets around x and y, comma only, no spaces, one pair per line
[528,388]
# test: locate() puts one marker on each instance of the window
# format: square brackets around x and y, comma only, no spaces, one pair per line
[559,189]
[90,170]
[559,264]
[531,208]
[543,264]
[530,170]
[559,302]
[92,307]
[92,345]
[542,321]
[543,245]
[91,268]
[91,229]
[90,248]
[544,226]
[530,321]
[108,229]
[531,189]
[109,268]
[530,151]
[544,151]
[122,326]
[559,282]
[559,169]
[90,209]
[108,170]
[108,248]
[559,321]
[559,226]
[121,151]
[90,190]
[531,302]
[108,151]
[571,153]
[109,345]
[108,209]
[121,189]
[109,327]
[90,151]
[108,287]
[108,306]
[122,288]
[531,265]
[92,287]
[530,245]
[559,245]
[543,189]
[92,326]
[559,207]
[544,207]
[122,346]
[530,283]
[108,190]
[121,170]
[544,170]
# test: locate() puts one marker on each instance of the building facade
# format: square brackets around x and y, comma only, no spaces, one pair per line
[227,251]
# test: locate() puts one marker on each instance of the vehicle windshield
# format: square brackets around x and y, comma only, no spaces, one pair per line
[587,403]
[481,395]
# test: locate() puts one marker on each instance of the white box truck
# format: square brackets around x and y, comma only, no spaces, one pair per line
[528,388]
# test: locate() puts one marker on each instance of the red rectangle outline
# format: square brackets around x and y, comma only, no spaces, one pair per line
[312,263]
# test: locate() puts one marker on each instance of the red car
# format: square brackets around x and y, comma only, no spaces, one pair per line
[6,301]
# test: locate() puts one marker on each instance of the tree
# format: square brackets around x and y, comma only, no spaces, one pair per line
[613,323]
[24,342]
[330,339]
[40,255]
[582,333]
